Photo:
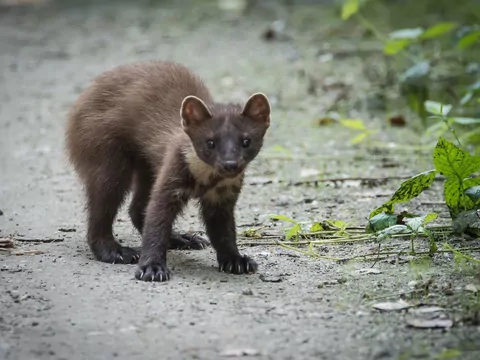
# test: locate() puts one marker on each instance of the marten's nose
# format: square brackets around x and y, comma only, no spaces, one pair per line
[230,165]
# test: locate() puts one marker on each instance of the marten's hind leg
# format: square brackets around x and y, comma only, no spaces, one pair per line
[106,187]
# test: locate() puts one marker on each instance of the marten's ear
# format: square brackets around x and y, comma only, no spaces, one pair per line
[193,111]
[257,108]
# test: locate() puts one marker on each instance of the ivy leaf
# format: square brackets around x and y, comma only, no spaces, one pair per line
[437,108]
[450,160]
[438,29]
[408,190]
[349,8]
[474,194]
[394,46]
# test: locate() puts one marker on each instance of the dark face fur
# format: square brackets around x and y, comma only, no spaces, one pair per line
[226,137]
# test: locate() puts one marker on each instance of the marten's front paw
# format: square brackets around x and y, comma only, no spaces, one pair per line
[238,265]
[154,271]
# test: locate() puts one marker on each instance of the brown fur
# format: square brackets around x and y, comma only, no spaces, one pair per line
[145,127]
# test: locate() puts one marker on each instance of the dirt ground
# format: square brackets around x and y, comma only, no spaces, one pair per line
[59,303]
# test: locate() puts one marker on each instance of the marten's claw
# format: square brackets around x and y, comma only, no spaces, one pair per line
[187,241]
[153,272]
[238,265]
[115,254]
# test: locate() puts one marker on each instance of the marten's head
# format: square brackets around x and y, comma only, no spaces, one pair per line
[226,137]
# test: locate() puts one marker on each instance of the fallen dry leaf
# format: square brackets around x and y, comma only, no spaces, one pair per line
[398,120]
[392,306]
[367,271]
[324,121]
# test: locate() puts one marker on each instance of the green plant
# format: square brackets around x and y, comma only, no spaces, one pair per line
[425,53]
[461,187]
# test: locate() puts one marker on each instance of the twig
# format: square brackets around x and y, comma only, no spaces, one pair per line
[46,240]
[416,253]
[309,253]
[29,252]
[380,179]
[433,203]
[6,243]
[458,253]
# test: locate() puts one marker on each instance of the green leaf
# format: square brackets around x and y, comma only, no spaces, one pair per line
[381,221]
[282,218]
[471,137]
[392,230]
[394,46]
[349,8]
[408,190]
[294,231]
[465,221]
[418,222]
[466,120]
[416,72]
[360,137]
[406,33]
[337,223]
[450,160]
[316,227]
[468,40]
[437,129]
[356,124]
[455,197]
[438,29]
[437,108]
[474,194]
[466,98]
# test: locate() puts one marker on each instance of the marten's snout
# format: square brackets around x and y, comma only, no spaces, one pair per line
[230,165]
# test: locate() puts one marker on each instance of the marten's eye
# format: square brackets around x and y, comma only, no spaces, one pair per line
[246,143]
[211,144]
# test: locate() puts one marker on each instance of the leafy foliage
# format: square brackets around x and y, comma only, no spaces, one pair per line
[461,191]
[457,165]
[409,189]
[425,52]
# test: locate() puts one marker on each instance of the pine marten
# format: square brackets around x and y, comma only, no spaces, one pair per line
[153,127]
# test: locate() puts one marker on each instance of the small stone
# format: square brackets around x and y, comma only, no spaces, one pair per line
[448,292]
[240,352]
[34,323]
[247,292]
[472,288]
[269,278]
